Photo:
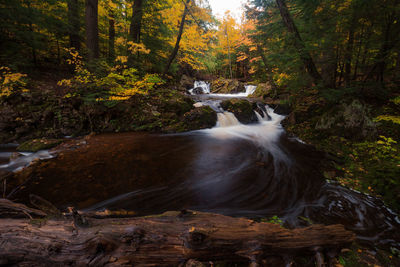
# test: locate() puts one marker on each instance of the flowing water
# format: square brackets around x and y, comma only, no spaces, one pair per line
[251,170]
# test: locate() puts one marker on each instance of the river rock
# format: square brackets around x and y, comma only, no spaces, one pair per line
[186,82]
[38,144]
[350,120]
[263,90]
[242,109]
[227,86]
[198,91]
[198,118]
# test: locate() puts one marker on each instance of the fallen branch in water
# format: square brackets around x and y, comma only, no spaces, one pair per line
[168,239]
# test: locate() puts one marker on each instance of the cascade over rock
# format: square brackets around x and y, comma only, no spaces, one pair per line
[246,170]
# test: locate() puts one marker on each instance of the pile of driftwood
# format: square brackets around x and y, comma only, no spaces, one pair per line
[29,237]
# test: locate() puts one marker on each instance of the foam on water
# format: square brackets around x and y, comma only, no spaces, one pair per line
[25,159]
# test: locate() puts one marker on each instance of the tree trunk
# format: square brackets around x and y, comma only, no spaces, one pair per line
[229,52]
[92,28]
[360,44]
[304,54]
[168,239]
[33,43]
[73,23]
[178,39]
[111,37]
[349,52]
[136,25]
[392,31]
[268,70]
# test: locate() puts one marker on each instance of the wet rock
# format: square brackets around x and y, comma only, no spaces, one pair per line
[198,91]
[15,155]
[263,90]
[242,109]
[198,118]
[350,120]
[282,109]
[177,105]
[38,144]
[227,86]
[194,263]
[186,82]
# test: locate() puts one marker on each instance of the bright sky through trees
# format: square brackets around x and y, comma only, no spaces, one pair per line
[219,7]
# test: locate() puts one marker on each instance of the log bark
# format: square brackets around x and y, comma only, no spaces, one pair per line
[168,239]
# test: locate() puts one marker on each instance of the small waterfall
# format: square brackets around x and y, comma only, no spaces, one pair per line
[227,119]
[250,89]
[200,87]
[25,159]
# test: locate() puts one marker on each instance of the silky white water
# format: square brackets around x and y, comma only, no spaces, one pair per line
[205,89]
[250,89]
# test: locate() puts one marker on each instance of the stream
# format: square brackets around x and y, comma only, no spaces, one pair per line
[255,170]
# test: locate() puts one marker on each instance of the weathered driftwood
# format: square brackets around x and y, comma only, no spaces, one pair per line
[172,238]
[9,209]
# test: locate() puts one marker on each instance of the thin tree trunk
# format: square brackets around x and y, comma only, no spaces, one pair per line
[341,66]
[111,37]
[34,58]
[178,39]
[229,52]
[349,52]
[268,70]
[335,73]
[58,52]
[360,43]
[92,28]
[74,25]
[135,27]
[304,54]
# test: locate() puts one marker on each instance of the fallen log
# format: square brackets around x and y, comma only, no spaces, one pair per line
[168,239]
[9,209]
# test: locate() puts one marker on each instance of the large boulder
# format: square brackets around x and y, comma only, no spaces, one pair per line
[350,120]
[242,109]
[227,86]
[199,118]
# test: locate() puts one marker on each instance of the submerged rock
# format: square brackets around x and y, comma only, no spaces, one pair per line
[38,144]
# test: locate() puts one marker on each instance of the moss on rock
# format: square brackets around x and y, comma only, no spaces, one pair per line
[242,109]
[198,118]
[348,120]
[38,144]
[227,86]
[263,90]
